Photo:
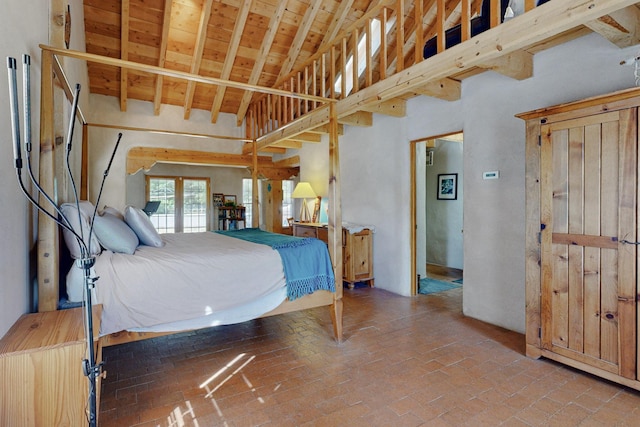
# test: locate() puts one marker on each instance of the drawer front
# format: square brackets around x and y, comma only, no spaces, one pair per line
[304,231]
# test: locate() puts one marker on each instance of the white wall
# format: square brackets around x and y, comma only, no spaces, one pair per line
[444,218]
[376,180]
[106,110]
[23,26]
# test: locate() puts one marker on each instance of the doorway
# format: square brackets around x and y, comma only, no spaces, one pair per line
[437,212]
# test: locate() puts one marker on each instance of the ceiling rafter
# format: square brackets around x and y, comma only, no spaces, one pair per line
[267,41]
[337,22]
[234,43]
[124,52]
[166,20]
[197,55]
[301,35]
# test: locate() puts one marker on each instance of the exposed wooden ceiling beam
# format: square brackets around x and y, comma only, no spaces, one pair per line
[517,65]
[166,21]
[619,27]
[447,89]
[324,129]
[196,60]
[336,23]
[145,157]
[261,59]
[306,137]
[357,118]
[300,37]
[232,50]
[288,162]
[394,107]
[136,66]
[124,51]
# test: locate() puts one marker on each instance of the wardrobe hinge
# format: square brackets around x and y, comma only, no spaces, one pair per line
[539,140]
[539,332]
[539,238]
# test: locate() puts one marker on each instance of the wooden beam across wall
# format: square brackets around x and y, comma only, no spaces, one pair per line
[182,75]
[145,157]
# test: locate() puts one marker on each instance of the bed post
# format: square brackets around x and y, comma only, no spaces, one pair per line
[255,210]
[48,254]
[335,220]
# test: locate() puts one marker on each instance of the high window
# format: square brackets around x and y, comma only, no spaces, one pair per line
[184,204]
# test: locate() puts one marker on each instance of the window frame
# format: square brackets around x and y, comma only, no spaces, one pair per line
[179,198]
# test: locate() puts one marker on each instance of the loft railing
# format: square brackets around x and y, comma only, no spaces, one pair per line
[384,41]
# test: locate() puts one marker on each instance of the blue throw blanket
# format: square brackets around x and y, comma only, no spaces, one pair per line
[306,263]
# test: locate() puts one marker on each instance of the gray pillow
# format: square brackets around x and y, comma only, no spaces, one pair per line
[114,234]
[142,226]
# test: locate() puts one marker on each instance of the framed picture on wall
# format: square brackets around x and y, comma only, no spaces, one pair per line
[447,186]
[230,200]
[218,199]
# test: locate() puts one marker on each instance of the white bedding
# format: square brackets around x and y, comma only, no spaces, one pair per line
[203,277]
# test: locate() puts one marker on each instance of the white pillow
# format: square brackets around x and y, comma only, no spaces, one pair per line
[75,283]
[70,211]
[114,234]
[142,226]
[112,211]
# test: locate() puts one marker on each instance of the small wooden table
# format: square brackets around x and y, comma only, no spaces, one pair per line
[357,250]
[42,382]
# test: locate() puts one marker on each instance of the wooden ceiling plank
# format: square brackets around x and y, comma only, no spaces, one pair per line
[261,58]
[238,29]
[197,55]
[301,35]
[166,20]
[124,52]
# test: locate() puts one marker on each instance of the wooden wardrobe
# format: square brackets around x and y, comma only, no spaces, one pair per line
[582,235]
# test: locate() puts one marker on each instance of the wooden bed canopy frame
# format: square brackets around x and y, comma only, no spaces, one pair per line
[48,232]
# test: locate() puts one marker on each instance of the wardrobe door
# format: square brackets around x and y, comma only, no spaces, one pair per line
[588,230]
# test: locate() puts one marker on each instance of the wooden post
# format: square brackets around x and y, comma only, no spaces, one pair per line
[255,207]
[335,220]
[84,173]
[48,254]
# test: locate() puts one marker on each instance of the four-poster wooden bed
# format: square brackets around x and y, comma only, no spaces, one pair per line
[48,233]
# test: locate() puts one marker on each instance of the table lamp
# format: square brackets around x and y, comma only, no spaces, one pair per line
[304,191]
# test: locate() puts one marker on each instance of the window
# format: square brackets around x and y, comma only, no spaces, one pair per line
[287,202]
[362,51]
[184,204]
[247,200]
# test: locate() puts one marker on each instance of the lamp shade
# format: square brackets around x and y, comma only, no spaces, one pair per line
[303,191]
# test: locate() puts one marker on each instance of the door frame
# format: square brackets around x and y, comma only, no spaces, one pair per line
[430,141]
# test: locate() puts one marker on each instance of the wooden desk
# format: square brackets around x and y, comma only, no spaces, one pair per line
[41,376]
[357,250]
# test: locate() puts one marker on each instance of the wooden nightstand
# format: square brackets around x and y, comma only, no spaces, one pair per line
[41,377]
[357,250]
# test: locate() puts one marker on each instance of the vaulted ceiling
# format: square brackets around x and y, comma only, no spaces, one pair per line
[249,41]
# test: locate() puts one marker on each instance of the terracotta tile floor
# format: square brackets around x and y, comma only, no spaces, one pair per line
[404,362]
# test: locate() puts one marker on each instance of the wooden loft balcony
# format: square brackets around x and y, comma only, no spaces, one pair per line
[382,83]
